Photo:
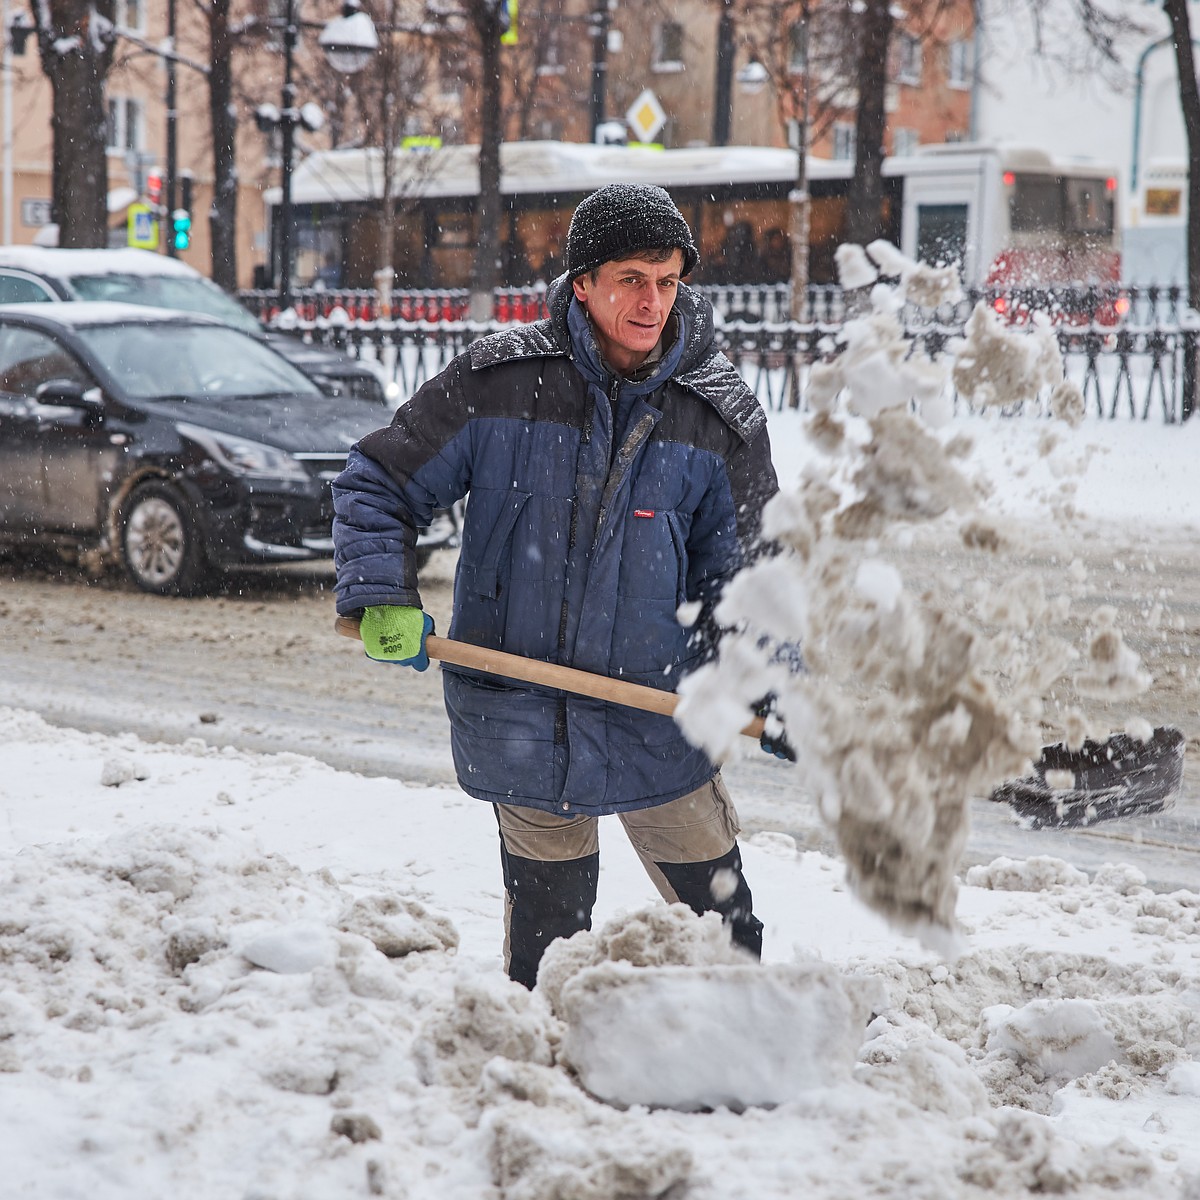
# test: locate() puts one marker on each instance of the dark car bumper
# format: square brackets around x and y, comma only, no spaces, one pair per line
[263,521]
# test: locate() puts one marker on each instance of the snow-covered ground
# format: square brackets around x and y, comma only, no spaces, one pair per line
[219,969]
[234,975]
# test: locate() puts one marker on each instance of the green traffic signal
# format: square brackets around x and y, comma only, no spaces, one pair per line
[181,225]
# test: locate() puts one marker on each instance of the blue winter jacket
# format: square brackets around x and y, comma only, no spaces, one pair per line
[575,550]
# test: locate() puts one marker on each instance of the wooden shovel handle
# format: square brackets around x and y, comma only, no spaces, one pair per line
[531,670]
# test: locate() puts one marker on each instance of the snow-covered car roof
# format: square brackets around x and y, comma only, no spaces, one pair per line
[79,314]
[65,263]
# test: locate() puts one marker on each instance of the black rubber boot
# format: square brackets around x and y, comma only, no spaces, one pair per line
[693,885]
[549,900]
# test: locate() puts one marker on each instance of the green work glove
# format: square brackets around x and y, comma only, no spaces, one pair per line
[396,633]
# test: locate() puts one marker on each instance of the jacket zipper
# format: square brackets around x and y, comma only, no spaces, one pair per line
[560,712]
[637,435]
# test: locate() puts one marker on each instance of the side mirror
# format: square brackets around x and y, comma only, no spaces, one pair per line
[68,393]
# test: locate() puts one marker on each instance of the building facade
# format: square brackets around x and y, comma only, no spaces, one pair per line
[679,73]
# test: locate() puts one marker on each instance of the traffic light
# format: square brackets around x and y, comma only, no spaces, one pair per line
[154,188]
[181,218]
[181,227]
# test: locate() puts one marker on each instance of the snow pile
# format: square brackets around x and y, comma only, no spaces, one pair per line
[643,998]
[1061,1038]
[913,701]
[182,1011]
[172,995]
[638,1035]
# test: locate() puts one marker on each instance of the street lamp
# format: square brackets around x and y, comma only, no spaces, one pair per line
[348,42]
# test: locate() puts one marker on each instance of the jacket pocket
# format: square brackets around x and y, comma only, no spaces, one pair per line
[654,556]
[483,577]
[679,541]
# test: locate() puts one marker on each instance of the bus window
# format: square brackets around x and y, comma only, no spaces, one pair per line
[1089,206]
[1036,203]
[941,234]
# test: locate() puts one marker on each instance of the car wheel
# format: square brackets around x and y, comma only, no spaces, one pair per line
[160,544]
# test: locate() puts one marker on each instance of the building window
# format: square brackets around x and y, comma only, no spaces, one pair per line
[130,14]
[959,56]
[451,85]
[797,41]
[124,125]
[273,15]
[905,141]
[668,47]
[843,140]
[273,148]
[908,59]
[551,51]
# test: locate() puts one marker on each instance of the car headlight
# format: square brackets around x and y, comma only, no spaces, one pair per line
[241,456]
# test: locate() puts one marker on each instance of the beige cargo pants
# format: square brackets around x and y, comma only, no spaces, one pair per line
[551,866]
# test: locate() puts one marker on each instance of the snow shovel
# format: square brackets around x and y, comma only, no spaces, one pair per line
[1114,778]
[1117,777]
[532,670]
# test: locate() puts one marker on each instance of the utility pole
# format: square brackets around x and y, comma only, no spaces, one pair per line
[172,151]
[287,138]
[599,23]
[8,126]
[723,99]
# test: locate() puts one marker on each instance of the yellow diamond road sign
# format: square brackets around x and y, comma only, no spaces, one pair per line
[646,116]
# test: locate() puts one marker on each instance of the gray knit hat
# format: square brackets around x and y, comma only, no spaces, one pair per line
[621,219]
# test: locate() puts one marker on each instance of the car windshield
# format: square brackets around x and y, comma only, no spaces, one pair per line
[166,291]
[163,359]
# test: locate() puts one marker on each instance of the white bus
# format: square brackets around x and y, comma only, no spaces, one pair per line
[1007,216]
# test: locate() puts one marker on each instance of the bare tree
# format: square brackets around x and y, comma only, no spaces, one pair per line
[487,19]
[805,49]
[827,61]
[223,40]
[1189,97]
[541,22]
[385,94]
[75,43]
[864,204]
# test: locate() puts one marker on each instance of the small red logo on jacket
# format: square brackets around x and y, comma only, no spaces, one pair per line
[643,512]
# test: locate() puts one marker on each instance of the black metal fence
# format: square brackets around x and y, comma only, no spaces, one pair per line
[1132,352]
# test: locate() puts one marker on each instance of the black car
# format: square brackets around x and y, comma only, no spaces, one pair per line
[334,373]
[166,442]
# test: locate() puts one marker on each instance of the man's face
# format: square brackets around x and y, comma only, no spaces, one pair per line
[629,302]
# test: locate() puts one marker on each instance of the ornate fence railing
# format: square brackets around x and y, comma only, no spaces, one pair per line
[1132,353]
